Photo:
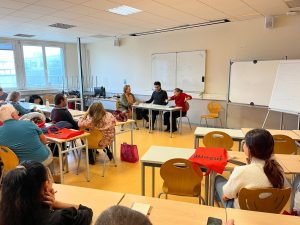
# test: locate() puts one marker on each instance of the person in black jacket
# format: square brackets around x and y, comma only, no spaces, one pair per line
[158,97]
[27,198]
[60,111]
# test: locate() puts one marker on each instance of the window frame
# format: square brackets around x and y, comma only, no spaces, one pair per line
[15,62]
[20,63]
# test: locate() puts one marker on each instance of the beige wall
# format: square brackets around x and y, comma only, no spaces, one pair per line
[244,40]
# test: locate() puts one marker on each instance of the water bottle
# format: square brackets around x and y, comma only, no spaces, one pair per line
[47,103]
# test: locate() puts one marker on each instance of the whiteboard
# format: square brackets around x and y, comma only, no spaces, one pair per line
[286,94]
[164,70]
[252,82]
[190,70]
[179,69]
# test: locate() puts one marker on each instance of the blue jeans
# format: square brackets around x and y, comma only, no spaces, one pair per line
[219,183]
[295,188]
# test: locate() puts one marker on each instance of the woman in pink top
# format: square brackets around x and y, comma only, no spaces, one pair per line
[97,117]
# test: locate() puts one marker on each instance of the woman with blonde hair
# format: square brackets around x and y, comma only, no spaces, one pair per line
[126,102]
[97,117]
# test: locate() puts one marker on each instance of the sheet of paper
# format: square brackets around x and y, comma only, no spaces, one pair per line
[141,207]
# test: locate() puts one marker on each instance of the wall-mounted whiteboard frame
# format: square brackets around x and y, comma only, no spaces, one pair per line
[185,70]
[251,82]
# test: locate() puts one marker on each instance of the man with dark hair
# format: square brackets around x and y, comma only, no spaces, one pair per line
[158,97]
[3,95]
[60,111]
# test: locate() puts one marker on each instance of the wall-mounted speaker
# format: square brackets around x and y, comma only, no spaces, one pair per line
[269,22]
[117,42]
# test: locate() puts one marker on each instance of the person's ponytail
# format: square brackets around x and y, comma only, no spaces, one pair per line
[274,173]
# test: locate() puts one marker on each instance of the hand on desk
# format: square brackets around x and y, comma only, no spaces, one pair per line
[229,222]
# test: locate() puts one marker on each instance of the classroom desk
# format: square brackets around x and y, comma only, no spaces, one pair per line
[168,212]
[157,155]
[289,133]
[61,151]
[258,218]
[160,108]
[48,110]
[77,101]
[235,134]
[97,200]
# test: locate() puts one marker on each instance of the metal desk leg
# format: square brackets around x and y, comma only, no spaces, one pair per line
[180,121]
[171,127]
[150,120]
[240,146]
[206,189]
[143,178]
[131,133]
[196,142]
[212,187]
[60,157]
[153,181]
[87,166]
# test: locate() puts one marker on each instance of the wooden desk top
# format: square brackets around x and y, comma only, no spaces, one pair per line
[129,121]
[289,133]
[98,200]
[297,132]
[168,212]
[234,133]
[257,218]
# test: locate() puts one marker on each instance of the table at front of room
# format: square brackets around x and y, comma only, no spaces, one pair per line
[61,151]
[158,155]
[160,108]
[97,200]
[235,134]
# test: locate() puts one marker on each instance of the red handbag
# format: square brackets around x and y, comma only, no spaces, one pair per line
[129,153]
[214,159]
[64,133]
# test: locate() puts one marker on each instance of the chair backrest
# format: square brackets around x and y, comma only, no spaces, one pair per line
[118,104]
[214,108]
[218,139]
[94,138]
[271,200]
[284,145]
[50,99]
[9,158]
[180,178]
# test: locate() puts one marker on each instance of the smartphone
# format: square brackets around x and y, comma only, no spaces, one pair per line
[214,221]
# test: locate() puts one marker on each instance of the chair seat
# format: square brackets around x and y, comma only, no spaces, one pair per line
[210,116]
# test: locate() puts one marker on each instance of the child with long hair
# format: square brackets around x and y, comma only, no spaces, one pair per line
[262,170]
[27,198]
[97,117]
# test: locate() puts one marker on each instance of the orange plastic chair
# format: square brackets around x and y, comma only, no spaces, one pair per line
[218,139]
[214,109]
[9,159]
[284,144]
[181,179]
[271,200]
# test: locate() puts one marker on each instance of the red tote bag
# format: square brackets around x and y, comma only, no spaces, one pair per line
[214,159]
[64,133]
[129,153]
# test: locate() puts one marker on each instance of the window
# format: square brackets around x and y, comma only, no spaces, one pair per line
[55,66]
[34,66]
[44,66]
[7,66]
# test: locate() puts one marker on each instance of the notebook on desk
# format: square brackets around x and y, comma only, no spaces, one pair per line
[141,207]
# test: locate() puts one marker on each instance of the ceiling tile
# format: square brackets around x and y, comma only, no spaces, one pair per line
[55,4]
[268,7]
[27,1]
[102,5]
[83,10]
[66,14]
[12,4]
[40,9]
[24,14]
[4,11]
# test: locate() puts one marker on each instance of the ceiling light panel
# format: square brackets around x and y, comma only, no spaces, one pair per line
[124,10]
